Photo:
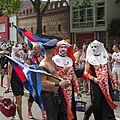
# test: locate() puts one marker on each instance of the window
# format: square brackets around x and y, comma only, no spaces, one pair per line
[31,11]
[76,16]
[23,12]
[53,6]
[59,27]
[58,5]
[48,7]
[100,13]
[64,4]
[12,24]
[82,18]
[32,29]
[27,11]
[2,27]
[9,24]
[44,29]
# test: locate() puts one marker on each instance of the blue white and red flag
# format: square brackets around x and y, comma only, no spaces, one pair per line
[30,77]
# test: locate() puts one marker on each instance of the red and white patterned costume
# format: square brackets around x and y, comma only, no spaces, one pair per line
[63,63]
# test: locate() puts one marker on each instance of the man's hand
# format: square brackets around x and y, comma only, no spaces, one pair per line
[64,83]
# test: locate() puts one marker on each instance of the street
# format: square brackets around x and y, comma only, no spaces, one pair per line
[37,112]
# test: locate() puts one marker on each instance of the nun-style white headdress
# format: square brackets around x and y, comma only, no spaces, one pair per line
[4,46]
[97,56]
[65,61]
[63,42]
[16,48]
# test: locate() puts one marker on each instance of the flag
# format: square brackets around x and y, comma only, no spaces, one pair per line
[26,74]
[35,38]
[28,36]
[21,33]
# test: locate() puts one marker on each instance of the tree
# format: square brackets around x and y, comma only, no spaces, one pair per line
[9,6]
[117,1]
[40,10]
[82,5]
[114,28]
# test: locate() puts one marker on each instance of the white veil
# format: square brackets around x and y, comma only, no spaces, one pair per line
[96,60]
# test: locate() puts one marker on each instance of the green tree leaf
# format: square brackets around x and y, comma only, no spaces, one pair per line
[9,6]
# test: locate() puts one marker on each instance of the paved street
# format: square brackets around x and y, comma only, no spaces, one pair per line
[37,113]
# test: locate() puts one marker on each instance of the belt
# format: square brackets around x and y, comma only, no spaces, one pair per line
[48,92]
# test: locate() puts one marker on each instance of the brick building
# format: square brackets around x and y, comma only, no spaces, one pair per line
[55,21]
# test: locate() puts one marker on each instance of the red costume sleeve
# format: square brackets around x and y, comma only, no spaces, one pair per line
[113,80]
[76,85]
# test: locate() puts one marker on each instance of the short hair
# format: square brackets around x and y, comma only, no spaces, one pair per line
[117,45]
[78,46]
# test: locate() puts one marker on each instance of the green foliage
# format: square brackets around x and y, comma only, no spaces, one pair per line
[114,28]
[9,6]
[42,7]
[82,5]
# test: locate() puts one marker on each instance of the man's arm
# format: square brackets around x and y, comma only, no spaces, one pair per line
[49,84]
[46,83]
[114,59]
[9,75]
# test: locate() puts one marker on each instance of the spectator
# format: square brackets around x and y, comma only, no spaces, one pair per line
[4,63]
[116,62]
[86,83]
[77,55]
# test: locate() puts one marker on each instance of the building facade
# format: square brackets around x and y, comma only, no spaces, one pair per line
[93,21]
[4,29]
[12,31]
[55,21]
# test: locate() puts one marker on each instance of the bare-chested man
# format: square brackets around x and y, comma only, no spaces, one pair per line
[35,60]
[50,86]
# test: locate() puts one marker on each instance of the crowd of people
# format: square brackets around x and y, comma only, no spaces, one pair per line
[90,71]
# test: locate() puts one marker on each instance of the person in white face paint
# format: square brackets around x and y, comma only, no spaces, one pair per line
[64,62]
[97,70]
[14,80]
[63,50]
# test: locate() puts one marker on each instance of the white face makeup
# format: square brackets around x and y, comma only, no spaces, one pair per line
[96,49]
[17,52]
[62,50]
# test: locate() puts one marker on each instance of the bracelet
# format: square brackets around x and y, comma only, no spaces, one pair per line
[56,84]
